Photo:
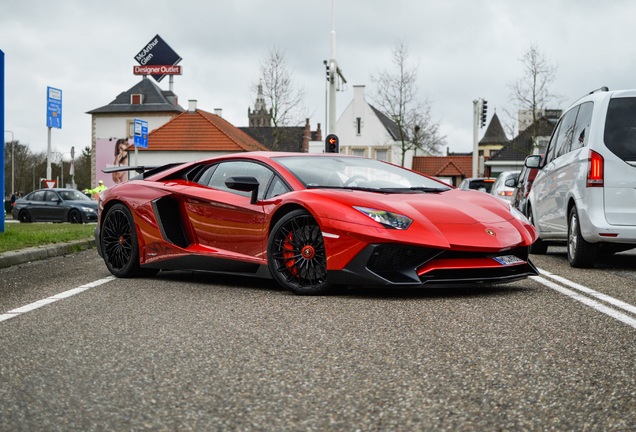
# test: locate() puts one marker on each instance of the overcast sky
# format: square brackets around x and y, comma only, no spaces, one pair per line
[465,49]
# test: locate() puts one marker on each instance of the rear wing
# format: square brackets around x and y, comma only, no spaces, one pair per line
[144,171]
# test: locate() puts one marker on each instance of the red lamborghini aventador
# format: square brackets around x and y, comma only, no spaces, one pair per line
[311,221]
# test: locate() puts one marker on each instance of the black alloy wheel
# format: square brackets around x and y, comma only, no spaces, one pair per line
[296,254]
[74,216]
[119,244]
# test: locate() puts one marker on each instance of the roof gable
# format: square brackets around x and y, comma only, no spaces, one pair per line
[201,131]
[522,145]
[154,100]
[443,166]
[494,133]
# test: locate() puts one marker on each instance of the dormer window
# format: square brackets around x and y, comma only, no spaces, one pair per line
[136,99]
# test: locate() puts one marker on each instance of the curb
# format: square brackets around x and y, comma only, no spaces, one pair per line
[11,258]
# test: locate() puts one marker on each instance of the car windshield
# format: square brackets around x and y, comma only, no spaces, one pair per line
[357,173]
[73,195]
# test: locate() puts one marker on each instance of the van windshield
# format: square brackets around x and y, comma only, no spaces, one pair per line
[620,128]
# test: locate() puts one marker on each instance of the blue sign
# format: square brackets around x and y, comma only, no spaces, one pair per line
[53,108]
[141,133]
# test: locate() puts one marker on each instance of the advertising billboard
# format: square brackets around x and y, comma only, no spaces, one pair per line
[110,152]
[157,53]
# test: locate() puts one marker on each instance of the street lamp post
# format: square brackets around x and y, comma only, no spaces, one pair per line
[12,162]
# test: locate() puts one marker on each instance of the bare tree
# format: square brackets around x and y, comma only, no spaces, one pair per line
[531,90]
[285,101]
[396,97]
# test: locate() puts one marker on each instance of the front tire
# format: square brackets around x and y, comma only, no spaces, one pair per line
[296,254]
[581,253]
[119,243]
[74,216]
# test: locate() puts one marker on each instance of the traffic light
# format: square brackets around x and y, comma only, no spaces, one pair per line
[483,114]
[332,144]
[327,68]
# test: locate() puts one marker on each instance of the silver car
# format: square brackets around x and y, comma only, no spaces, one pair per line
[584,194]
[504,186]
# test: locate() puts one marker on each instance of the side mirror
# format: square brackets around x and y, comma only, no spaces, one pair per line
[244,184]
[532,161]
[511,182]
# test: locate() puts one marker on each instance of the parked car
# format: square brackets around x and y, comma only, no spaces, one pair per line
[55,205]
[583,195]
[523,185]
[504,186]
[311,222]
[483,184]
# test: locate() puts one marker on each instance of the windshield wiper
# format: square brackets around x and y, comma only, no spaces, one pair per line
[428,189]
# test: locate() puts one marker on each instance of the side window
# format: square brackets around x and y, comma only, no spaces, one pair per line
[551,151]
[225,170]
[51,196]
[566,131]
[278,187]
[582,128]
[37,196]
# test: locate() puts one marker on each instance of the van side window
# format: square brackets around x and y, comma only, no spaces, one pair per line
[582,128]
[566,131]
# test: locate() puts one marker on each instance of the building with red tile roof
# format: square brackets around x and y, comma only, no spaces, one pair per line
[451,169]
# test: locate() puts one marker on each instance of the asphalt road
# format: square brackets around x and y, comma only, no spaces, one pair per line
[184,351]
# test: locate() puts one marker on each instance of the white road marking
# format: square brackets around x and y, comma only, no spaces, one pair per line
[66,294]
[620,316]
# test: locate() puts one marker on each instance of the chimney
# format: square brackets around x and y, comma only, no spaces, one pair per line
[218,111]
[192,105]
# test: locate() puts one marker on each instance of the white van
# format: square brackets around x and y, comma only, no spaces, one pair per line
[584,194]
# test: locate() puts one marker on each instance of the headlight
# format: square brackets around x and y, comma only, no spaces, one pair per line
[88,209]
[388,219]
[517,214]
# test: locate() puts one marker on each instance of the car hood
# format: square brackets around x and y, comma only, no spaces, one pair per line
[453,218]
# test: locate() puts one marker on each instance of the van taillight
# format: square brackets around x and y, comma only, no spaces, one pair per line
[595,170]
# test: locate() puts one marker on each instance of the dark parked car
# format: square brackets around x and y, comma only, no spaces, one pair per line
[55,205]
[522,188]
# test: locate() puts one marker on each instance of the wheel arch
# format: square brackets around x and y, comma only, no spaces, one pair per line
[282,211]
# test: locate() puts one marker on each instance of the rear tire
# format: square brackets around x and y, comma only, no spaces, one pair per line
[296,254]
[24,216]
[539,247]
[581,253]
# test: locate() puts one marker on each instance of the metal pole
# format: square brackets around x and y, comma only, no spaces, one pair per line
[12,161]
[48,156]
[476,109]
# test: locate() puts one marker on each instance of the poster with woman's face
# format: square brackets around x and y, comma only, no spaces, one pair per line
[111,152]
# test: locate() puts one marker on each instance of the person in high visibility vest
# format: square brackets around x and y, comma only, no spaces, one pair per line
[94,193]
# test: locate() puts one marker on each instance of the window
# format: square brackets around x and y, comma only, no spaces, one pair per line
[620,128]
[566,131]
[358,125]
[357,152]
[136,99]
[582,127]
[216,176]
[36,196]
[382,155]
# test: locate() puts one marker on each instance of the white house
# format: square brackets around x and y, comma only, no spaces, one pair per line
[364,131]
